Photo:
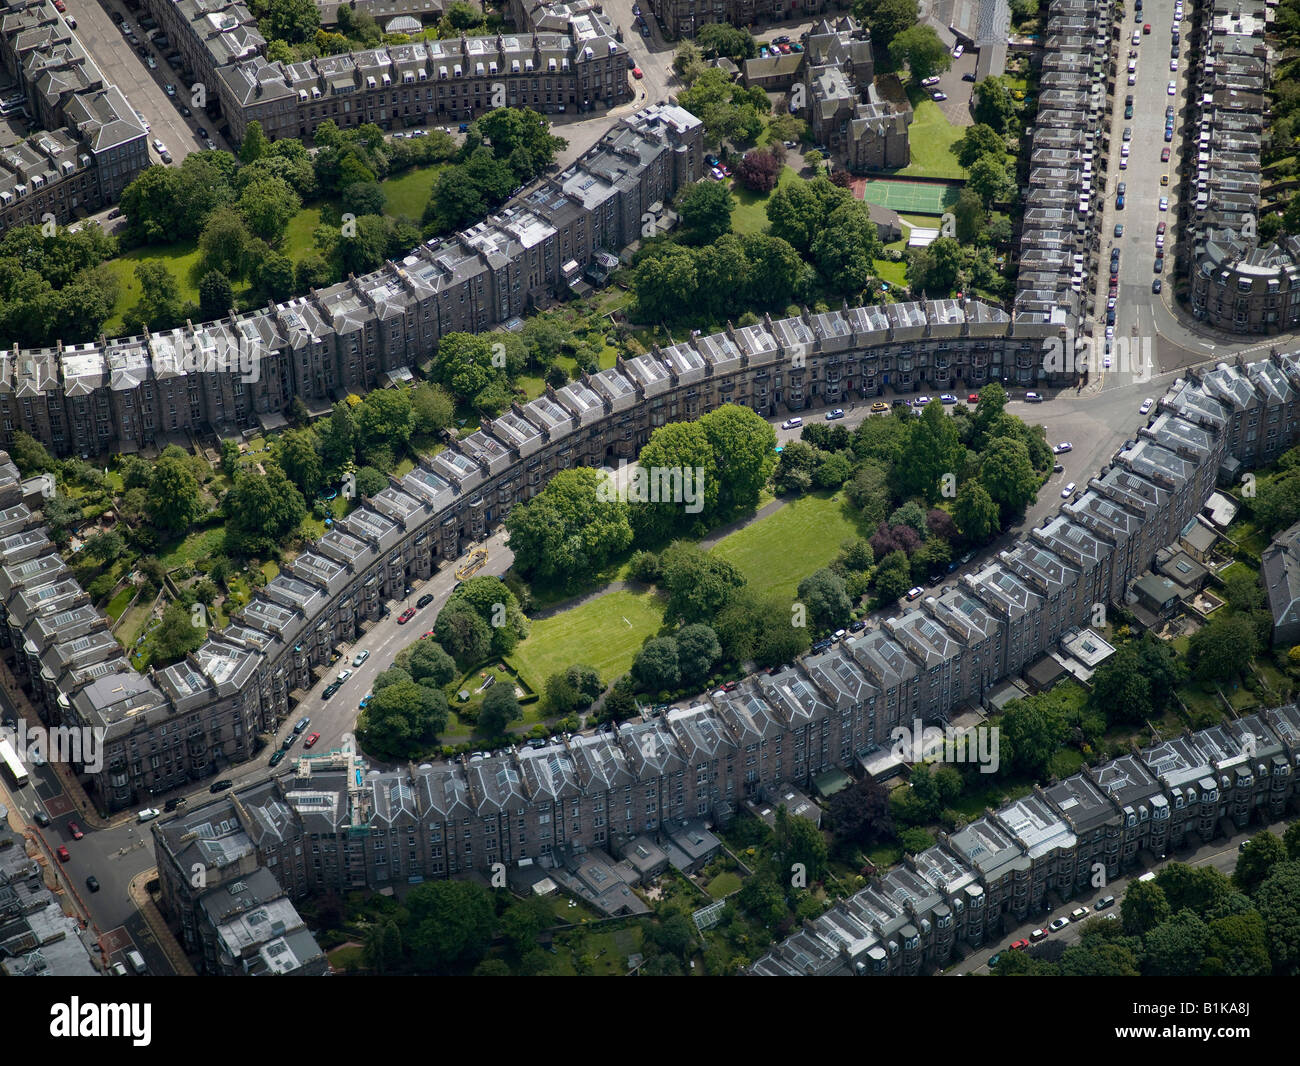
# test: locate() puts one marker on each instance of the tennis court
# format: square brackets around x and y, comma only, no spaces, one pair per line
[912,197]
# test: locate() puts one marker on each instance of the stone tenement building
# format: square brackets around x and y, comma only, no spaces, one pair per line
[89,146]
[685,18]
[328,826]
[451,81]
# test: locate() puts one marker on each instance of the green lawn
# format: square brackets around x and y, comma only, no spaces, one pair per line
[750,214]
[119,602]
[406,196]
[931,136]
[782,549]
[724,884]
[178,258]
[298,234]
[604,633]
[894,273]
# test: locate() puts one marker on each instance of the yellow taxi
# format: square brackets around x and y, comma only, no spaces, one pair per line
[879,407]
[1164,179]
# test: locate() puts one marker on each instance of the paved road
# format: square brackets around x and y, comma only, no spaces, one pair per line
[124,67]
[1221,854]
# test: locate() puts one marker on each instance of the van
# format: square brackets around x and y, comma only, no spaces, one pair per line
[137,962]
[118,970]
[1148,876]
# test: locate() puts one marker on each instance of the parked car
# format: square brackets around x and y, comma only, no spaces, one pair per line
[936,96]
[914,592]
[173,803]
[220,786]
[1103,903]
[1068,491]
[1033,397]
[361,657]
[277,757]
[406,616]
[311,740]
[1038,934]
[947,398]
[974,397]
[42,819]
[792,423]
[330,689]
[148,814]
[1164,203]
[343,675]
[75,830]
[1079,913]
[423,601]
[1146,406]
[1063,447]
[1059,924]
[636,73]
[62,852]
[288,742]
[831,416]
[1019,945]
[878,407]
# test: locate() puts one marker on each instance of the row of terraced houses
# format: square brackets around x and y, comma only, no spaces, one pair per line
[327,825]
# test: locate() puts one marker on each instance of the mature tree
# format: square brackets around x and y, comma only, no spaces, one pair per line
[432,408]
[571,529]
[845,250]
[1278,901]
[254,144]
[697,650]
[384,421]
[721,39]
[403,719]
[492,600]
[979,140]
[860,813]
[518,135]
[1243,591]
[1095,959]
[464,635]
[177,634]
[665,282]
[1220,649]
[869,491]
[699,584]
[796,467]
[262,509]
[500,708]
[267,204]
[226,244]
[451,925]
[728,110]
[1007,474]
[1256,861]
[30,455]
[744,454]
[159,305]
[656,666]
[1035,731]
[994,105]
[990,180]
[1119,688]
[759,171]
[932,451]
[833,470]
[428,663]
[1237,947]
[797,842]
[300,460]
[706,210]
[216,297]
[919,49]
[797,212]
[1291,840]
[1144,907]
[173,499]
[677,457]
[893,576]
[889,18]
[274,275]
[1175,948]
[464,363]
[776,273]
[824,594]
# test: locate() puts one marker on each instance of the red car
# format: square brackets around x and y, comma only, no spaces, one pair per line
[427,634]
[1160,228]
[62,853]
[1164,155]
[75,830]
[636,72]
[60,6]
[974,397]
[1146,28]
[406,616]
[1020,945]
[311,739]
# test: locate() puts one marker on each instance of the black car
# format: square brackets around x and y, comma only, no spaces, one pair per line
[330,689]
[277,756]
[288,741]
[968,76]
[424,601]
[172,804]
[42,819]
[92,883]
[203,134]
[220,786]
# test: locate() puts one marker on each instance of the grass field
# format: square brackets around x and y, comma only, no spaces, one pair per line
[406,196]
[178,258]
[931,137]
[894,273]
[750,215]
[597,633]
[789,544]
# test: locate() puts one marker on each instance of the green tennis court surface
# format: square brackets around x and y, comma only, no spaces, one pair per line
[912,197]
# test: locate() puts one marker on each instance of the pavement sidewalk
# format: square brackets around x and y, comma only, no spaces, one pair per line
[162,935]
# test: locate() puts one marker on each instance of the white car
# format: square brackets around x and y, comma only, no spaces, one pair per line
[1059,924]
[1164,203]
[344,674]
[933,79]
[1125,150]
[1173,88]
[1173,64]
[1132,79]
[1146,406]
[938,96]
[792,423]
[148,814]
[1066,493]
[1079,913]
[1105,362]
[143,121]
[1137,37]
[1110,332]
[956,52]
[1063,447]
[1123,162]
[158,146]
